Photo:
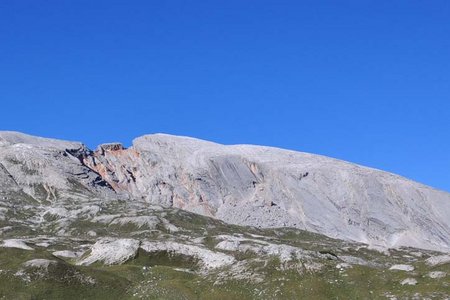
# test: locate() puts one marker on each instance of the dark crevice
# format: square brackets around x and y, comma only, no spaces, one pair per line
[82,154]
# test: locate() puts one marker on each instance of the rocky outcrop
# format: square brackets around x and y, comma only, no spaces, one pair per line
[111,251]
[240,184]
[109,147]
[47,169]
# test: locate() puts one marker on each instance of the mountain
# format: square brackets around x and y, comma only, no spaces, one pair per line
[242,184]
[171,204]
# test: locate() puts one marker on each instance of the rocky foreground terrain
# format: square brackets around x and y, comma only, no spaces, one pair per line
[179,218]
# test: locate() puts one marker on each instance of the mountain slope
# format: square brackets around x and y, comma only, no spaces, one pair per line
[241,184]
[105,224]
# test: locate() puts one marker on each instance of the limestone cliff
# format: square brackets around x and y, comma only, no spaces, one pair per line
[240,184]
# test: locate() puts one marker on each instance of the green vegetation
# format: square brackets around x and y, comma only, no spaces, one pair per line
[163,277]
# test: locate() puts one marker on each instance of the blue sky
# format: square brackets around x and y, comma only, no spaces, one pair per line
[364,81]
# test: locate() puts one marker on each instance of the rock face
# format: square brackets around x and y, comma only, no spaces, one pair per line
[240,184]
[46,169]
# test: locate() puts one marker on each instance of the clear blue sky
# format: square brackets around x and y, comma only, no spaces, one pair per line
[364,81]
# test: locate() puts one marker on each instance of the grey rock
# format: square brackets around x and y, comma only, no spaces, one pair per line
[409,281]
[239,184]
[47,169]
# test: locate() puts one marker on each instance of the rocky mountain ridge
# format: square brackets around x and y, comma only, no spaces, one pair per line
[240,184]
